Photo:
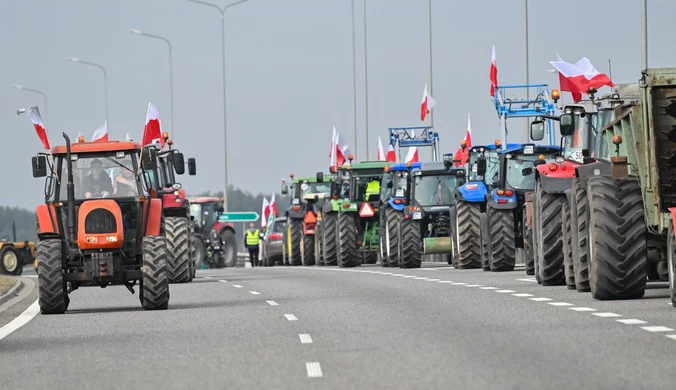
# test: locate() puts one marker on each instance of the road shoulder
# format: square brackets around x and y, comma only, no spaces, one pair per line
[16,302]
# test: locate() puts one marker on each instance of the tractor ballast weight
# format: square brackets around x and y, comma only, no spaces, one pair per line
[92,237]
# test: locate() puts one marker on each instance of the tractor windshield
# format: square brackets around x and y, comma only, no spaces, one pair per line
[516,163]
[205,215]
[434,190]
[314,188]
[368,187]
[397,187]
[491,166]
[579,140]
[101,175]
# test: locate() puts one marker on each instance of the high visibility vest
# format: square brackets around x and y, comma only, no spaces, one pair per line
[373,188]
[252,237]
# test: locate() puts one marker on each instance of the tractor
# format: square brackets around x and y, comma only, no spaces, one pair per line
[88,236]
[502,225]
[350,221]
[309,194]
[15,254]
[215,242]
[178,223]
[425,225]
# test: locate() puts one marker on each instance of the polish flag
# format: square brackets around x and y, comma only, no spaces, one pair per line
[101,134]
[342,150]
[152,131]
[412,154]
[427,103]
[34,115]
[381,150]
[265,212]
[583,76]
[493,73]
[273,207]
[565,86]
[332,151]
[391,154]
[460,155]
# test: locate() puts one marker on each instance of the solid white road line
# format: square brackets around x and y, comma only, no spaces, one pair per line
[540,299]
[657,329]
[21,320]
[521,295]
[504,291]
[632,321]
[290,317]
[272,303]
[582,308]
[254,292]
[314,370]
[559,303]
[236,285]
[305,338]
[606,315]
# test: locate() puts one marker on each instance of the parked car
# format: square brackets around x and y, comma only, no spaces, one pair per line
[272,243]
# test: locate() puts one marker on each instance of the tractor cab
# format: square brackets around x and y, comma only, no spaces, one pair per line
[515,177]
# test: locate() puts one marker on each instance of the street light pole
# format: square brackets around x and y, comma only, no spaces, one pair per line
[105,81]
[366,90]
[525,11]
[429,17]
[171,72]
[44,96]
[225,117]
[354,84]
[644,35]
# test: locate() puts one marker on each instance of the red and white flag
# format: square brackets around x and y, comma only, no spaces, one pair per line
[332,151]
[273,207]
[265,212]
[427,103]
[381,150]
[493,73]
[412,154]
[566,86]
[342,150]
[153,129]
[391,154]
[34,115]
[581,76]
[101,134]
[461,155]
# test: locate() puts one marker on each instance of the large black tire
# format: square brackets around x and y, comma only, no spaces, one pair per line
[528,245]
[52,292]
[200,252]
[294,236]
[550,237]
[10,261]
[410,244]
[308,249]
[469,230]
[393,219]
[618,239]
[579,235]
[155,276]
[671,263]
[329,233]
[566,222]
[319,255]
[347,241]
[369,257]
[191,249]
[178,249]
[229,248]
[502,248]
[485,240]
[381,249]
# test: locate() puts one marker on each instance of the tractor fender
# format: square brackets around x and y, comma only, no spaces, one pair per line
[395,206]
[555,185]
[474,191]
[598,168]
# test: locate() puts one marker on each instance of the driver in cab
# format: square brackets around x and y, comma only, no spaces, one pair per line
[97,183]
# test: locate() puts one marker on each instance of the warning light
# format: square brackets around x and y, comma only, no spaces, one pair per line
[617,139]
[165,135]
[497,143]
[463,144]
[291,175]
[80,139]
[350,157]
[170,142]
[387,168]
[409,164]
[541,157]
[555,95]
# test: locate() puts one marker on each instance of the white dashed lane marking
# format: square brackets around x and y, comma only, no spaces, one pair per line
[223,281]
[445,281]
[532,280]
[606,315]
[314,370]
[489,288]
[290,317]
[657,329]
[473,285]
[272,303]
[254,292]
[433,280]
[236,285]
[540,299]
[458,283]
[305,338]
[582,308]
[559,303]
[504,291]
[521,295]
[632,321]
[672,336]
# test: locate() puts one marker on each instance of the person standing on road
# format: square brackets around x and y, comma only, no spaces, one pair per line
[252,241]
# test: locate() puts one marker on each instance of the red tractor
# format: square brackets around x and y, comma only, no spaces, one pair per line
[175,208]
[215,240]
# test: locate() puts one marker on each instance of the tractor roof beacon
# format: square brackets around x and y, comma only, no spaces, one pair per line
[303,215]
[90,237]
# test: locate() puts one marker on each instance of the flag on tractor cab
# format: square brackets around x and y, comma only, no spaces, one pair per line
[381,150]
[461,155]
[34,115]
[581,76]
[493,73]
[412,155]
[101,134]
[153,128]
[391,154]
[427,103]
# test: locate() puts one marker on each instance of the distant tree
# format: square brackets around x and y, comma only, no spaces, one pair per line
[25,221]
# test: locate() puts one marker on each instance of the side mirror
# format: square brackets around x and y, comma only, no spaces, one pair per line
[192,168]
[566,125]
[448,160]
[179,163]
[481,166]
[320,177]
[527,171]
[285,189]
[220,210]
[149,161]
[39,166]
[537,130]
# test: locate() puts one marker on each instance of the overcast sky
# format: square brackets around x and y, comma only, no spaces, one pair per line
[289,73]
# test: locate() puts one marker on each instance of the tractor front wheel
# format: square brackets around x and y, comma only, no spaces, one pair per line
[347,241]
[308,249]
[550,237]
[155,278]
[528,245]
[671,262]
[52,291]
[393,219]
[579,235]
[469,230]
[178,249]
[293,244]
[329,238]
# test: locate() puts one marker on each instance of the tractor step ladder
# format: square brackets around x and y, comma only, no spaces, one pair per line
[510,103]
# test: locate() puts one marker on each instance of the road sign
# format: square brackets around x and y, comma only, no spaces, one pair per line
[241,216]
[366,210]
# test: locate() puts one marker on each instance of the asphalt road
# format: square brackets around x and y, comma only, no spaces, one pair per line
[330,328]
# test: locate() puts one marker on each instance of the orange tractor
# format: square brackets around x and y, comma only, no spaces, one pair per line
[90,234]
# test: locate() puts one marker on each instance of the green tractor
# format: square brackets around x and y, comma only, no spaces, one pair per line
[309,194]
[350,220]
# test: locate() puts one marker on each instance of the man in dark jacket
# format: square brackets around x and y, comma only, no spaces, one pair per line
[98,183]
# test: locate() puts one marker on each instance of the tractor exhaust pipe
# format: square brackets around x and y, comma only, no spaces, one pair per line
[70,192]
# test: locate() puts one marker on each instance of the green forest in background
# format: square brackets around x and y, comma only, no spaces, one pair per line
[26,223]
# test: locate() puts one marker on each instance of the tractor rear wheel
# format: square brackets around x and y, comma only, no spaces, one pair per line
[369,257]
[178,249]
[294,237]
[329,238]
[393,219]
[502,253]
[155,276]
[410,244]
[618,239]
[550,237]
[485,242]
[579,235]
[308,249]
[347,240]
[467,227]
[319,255]
[381,250]
[528,245]
[566,222]
[10,261]
[52,291]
